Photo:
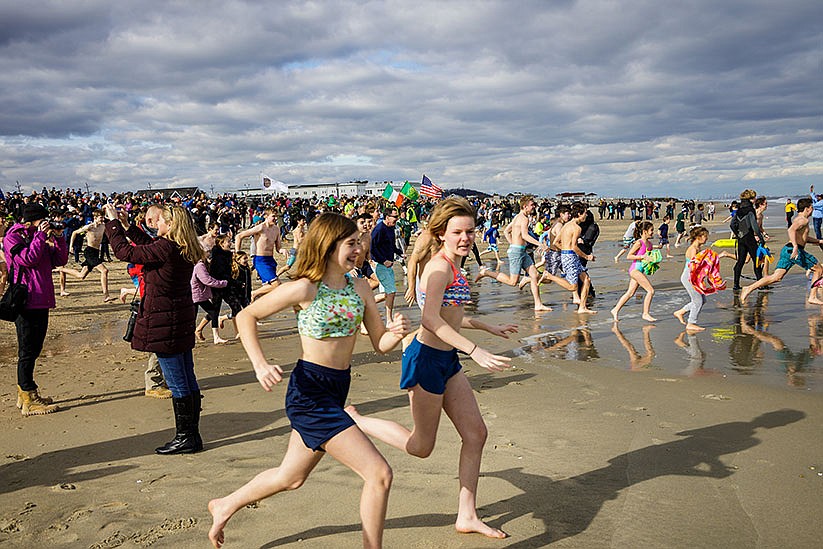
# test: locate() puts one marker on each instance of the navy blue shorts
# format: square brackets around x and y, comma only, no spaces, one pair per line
[315,400]
[428,367]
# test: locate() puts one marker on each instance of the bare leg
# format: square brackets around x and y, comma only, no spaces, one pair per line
[290,475]
[104,282]
[63,291]
[624,298]
[776,276]
[199,330]
[644,283]
[389,307]
[584,295]
[461,407]
[215,332]
[538,304]
[354,450]
[425,409]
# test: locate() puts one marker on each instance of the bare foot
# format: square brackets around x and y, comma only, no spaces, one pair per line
[694,328]
[648,318]
[222,321]
[477,526]
[220,516]
[744,293]
[669,257]
[199,336]
[481,274]
[108,299]
[64,294]
[614,314]
[586,311]
[542,308]
[679,315]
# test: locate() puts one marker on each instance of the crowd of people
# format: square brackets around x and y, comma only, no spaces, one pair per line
[333,260]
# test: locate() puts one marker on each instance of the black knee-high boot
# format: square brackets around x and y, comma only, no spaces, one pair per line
[187,422]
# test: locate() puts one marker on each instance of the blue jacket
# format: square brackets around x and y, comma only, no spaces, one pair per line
[818,207]
[383,247]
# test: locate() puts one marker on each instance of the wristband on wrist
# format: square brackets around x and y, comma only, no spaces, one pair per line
[473,349]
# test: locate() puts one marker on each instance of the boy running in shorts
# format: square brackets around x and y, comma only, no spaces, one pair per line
[266,236]
[94,236]
[570,254]
[794,253]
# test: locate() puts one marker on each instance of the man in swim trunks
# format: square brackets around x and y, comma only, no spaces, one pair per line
[794,253]
[552,255]
[94,236]
[517,233]
[266,236]
[570,254]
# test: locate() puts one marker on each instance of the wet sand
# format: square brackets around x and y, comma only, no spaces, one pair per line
[596,439]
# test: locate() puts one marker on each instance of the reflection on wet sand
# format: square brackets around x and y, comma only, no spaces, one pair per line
[733,344]
[637,361]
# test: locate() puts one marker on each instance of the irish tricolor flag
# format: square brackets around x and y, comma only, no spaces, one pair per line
[392,196]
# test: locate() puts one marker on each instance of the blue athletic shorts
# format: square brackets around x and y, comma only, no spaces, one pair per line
[572,266]
[386,277]
[428,367]
[292,257]
[314,403]
[518,260]
[804,259]
[266,268]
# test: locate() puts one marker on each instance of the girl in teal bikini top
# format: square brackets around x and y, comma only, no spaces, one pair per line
[332,313]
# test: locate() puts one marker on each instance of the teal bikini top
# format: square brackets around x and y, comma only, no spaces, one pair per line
[332,313]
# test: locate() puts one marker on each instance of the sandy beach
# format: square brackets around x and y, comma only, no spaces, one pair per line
[598,437]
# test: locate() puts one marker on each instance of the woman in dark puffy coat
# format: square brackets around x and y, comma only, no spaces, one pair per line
[165,321]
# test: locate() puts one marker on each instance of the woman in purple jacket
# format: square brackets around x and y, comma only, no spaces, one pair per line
[33,249]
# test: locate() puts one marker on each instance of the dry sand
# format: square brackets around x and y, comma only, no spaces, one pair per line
[579,455]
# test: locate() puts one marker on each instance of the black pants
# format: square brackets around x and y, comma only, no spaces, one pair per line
[31,325]
[208,307]
[746,246]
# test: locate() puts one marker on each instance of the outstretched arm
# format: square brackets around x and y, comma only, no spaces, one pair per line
[286,295]
[383,338]
[501,330]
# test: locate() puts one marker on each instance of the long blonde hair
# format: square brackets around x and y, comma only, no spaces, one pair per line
[325,231]
[454,206]
[182,233]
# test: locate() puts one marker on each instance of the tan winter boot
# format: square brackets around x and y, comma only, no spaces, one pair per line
[33,405]
[158,392]
[47,400]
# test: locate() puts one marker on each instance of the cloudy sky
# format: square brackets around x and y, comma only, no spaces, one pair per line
[688,98]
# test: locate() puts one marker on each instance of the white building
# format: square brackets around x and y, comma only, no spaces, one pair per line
[323,190]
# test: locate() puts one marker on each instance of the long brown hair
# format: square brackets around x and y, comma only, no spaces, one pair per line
[325,231]
[454,206]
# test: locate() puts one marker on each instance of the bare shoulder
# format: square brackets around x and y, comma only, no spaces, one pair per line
[301,289]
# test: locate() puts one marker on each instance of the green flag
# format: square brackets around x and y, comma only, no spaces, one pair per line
[388,191]
[409,192]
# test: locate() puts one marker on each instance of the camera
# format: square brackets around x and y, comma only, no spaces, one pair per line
[56,225]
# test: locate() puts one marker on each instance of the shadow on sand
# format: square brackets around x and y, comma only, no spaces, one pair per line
[567,507]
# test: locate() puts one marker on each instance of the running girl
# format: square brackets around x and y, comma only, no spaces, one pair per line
[697,238]
[431,370]
[642,244]
[330,306]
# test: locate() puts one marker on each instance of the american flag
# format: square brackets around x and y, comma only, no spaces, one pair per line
[429,189]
